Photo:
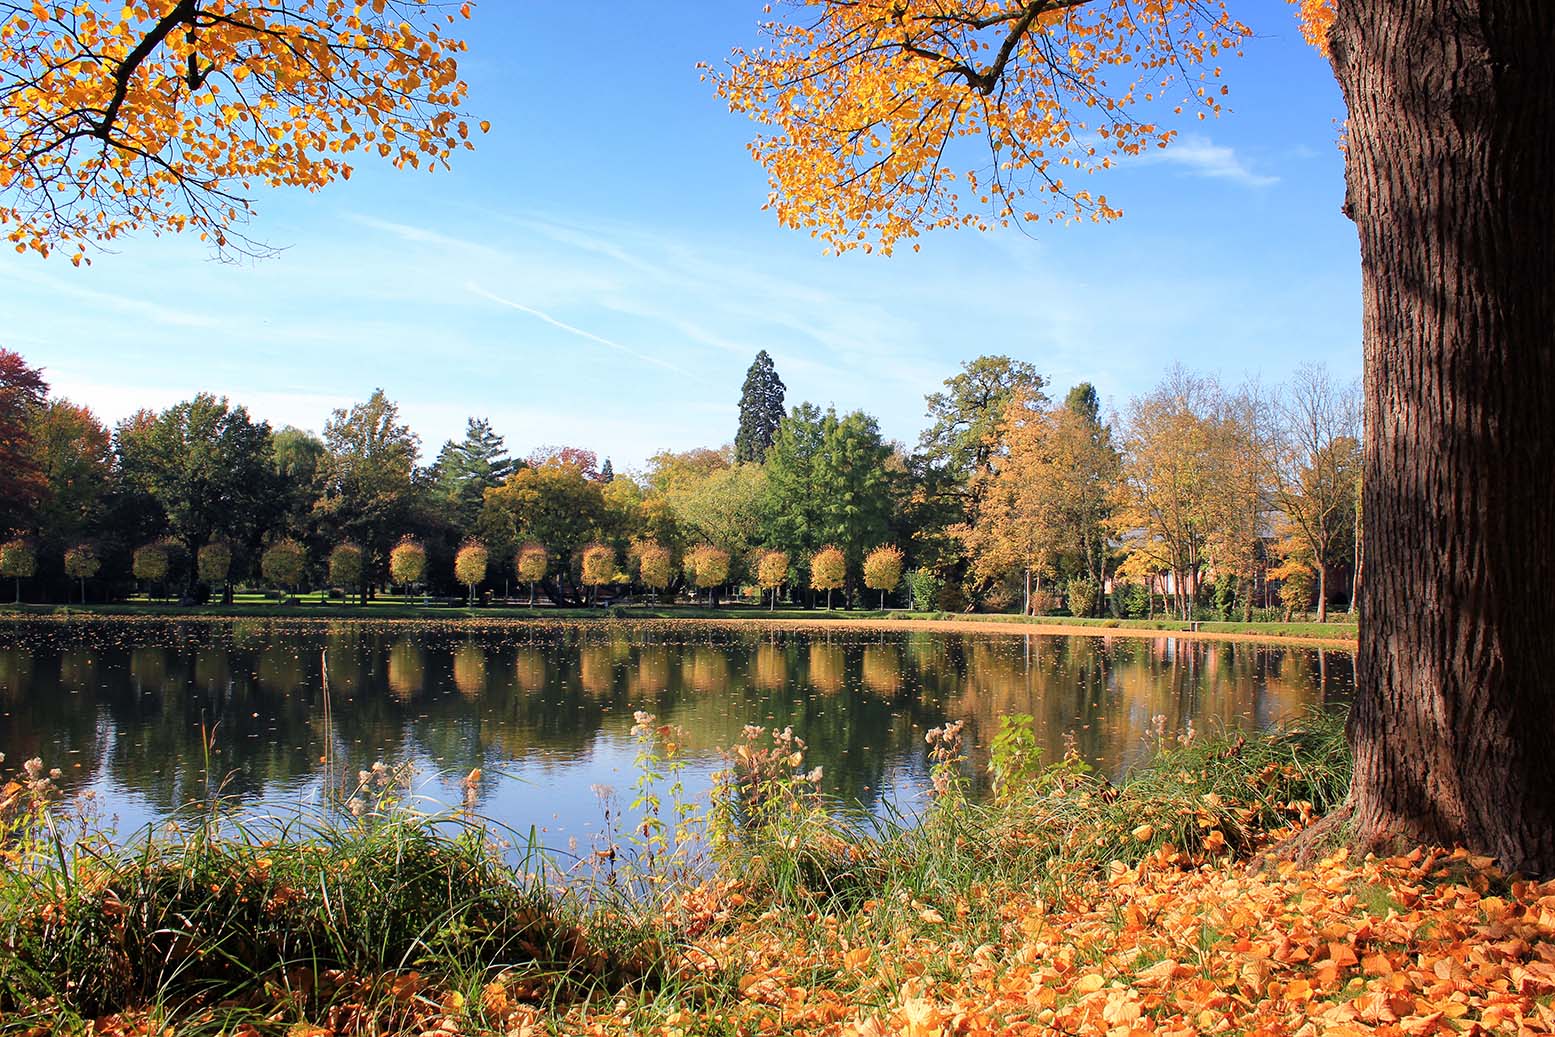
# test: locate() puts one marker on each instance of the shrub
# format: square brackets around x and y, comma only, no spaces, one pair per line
[1002,597]
[1083,593]
[924,586]
[952,597]
[1131,601]
[1044,603]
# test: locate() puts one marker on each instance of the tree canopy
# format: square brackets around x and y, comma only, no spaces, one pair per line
[167,115]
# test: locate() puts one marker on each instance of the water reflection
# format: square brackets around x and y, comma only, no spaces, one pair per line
[545,710]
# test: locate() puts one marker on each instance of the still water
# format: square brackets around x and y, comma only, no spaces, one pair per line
[152,715]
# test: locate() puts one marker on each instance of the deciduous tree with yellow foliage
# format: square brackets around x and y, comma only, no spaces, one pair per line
[470,566]
[167,114]
[883,570]
[828,571]
[708,568]
[655,565]
[532,562]
[598,566]
[407,564]
[772,573]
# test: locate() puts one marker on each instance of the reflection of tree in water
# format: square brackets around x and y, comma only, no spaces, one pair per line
[881,669]
[468,696]
[15,674]
[828,665]
[212,670]
[344,656]
[596,669]
[529,669]
[707,670]
[652,675]
[148,669]
[75,671]
[407,669]
[281,669]
[470,669]
[771,667]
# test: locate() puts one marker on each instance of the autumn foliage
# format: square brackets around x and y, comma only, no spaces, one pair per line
[82,563]
[599,565]
[18,560]
[883,570]
[532,563]
[772,572]
[655,565]
[707,566]
[828,571]
[881,118]
[407,562]
[470,565]
[167,115]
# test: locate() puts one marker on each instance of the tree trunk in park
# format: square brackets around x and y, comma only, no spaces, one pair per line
[1322,591]
[1451,162]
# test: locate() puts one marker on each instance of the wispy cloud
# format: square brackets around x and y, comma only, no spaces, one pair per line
[129,305]
[1200,156]
[570,329]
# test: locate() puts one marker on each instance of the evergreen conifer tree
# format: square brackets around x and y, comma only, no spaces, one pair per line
[761,410]
[465,470]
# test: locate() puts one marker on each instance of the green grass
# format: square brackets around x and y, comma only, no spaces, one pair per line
[318,914]
[248,606]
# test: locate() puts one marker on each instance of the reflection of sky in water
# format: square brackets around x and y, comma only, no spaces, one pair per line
[545,710]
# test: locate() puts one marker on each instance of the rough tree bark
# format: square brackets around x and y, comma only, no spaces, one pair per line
[1451,168]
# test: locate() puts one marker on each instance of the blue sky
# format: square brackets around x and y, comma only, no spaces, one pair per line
[599,272]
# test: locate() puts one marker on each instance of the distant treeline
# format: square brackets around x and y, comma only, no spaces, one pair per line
[1194,498]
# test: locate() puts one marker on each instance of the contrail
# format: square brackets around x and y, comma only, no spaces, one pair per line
[571,330]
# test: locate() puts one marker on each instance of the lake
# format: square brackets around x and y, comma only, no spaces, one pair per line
[151,715]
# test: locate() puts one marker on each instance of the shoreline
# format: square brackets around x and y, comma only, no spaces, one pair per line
[1313,635]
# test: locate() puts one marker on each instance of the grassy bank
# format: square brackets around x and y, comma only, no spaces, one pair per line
[1065,906]
[1333,632]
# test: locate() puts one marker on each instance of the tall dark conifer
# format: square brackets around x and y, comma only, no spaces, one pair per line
[761,410]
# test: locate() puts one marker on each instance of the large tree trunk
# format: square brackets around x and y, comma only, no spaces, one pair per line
[1451,169]
[1322,592]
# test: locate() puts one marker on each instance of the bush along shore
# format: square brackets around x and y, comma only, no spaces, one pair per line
[1059,903]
